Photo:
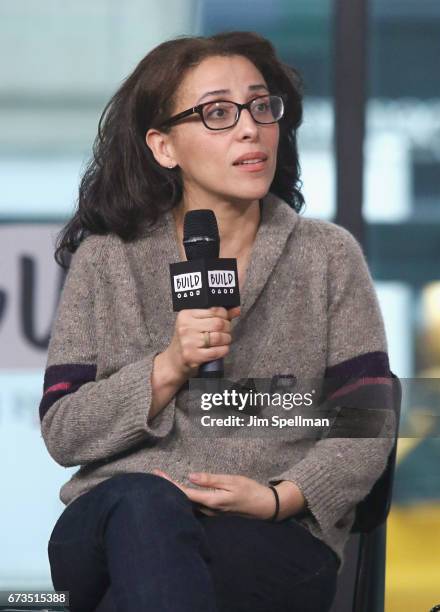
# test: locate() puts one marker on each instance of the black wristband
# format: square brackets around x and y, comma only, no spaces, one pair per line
[277,504]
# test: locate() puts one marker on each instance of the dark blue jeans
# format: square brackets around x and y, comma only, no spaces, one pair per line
[140,535]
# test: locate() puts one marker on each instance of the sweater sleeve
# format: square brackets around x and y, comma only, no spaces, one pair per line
[338,472]
[83,419]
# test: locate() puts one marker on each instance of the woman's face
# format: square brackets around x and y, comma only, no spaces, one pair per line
[206,157]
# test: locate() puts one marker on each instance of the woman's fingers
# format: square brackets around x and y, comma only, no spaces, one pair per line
[208,499]
[206,313]
[220,481]
[203,497]
[216,312]
[192,348]
[213,324]
[207,511]
[215,339]
[189,337]
[230,493]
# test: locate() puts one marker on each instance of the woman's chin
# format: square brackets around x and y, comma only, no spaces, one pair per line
[256,192]
[256,195]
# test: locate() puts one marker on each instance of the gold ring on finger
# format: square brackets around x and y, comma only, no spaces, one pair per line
[206,340]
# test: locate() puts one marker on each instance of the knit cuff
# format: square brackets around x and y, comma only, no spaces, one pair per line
[324,499]
[137,402]
[337,475]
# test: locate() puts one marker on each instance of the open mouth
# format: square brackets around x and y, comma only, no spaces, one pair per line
[251,162]
[251,165]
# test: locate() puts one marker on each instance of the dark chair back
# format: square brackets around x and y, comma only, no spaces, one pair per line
[373,510]
[361,582]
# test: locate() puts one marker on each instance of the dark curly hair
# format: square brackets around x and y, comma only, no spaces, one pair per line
[123,188]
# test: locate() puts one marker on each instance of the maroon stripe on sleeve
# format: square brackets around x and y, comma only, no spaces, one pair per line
[360,389]
[354,386]
[368,368]
[60,380]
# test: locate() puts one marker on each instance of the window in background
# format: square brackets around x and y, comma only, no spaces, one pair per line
[63,65]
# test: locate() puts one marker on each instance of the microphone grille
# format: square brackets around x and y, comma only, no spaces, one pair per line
[200,234]
[200,222]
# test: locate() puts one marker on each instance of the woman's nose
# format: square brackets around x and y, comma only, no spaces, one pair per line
[246,126]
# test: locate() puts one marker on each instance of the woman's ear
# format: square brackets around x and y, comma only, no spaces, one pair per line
[161,148]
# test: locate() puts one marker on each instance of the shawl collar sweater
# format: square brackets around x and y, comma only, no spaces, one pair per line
[308,309]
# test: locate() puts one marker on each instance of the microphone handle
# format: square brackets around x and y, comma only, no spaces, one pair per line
[211,369]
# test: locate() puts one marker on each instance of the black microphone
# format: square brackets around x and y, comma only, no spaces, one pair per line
[201,240]
[204,280]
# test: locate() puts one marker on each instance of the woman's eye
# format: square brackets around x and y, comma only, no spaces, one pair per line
[217,113]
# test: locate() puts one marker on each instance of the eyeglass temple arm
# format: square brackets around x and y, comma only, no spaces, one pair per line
[187,113]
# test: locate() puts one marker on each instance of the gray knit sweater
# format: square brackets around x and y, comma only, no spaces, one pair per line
[309,309]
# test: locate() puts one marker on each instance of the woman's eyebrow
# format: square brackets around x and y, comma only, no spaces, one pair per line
[217,92]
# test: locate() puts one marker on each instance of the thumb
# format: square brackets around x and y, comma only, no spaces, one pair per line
[234,312]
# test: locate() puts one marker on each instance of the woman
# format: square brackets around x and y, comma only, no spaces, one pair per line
[204,123]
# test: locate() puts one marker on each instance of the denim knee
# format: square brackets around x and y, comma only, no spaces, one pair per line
[147,495]
[88,514]
[135,482]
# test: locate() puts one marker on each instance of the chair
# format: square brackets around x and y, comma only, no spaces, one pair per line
[361,583]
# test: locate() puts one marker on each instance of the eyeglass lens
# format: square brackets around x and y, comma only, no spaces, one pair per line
[221,115]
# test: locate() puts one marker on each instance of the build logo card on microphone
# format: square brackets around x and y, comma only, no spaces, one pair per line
[202,283]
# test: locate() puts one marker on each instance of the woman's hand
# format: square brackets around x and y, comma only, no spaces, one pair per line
[229,493]
[186,351]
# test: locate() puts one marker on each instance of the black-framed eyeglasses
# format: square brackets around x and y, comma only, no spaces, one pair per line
[224,114]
